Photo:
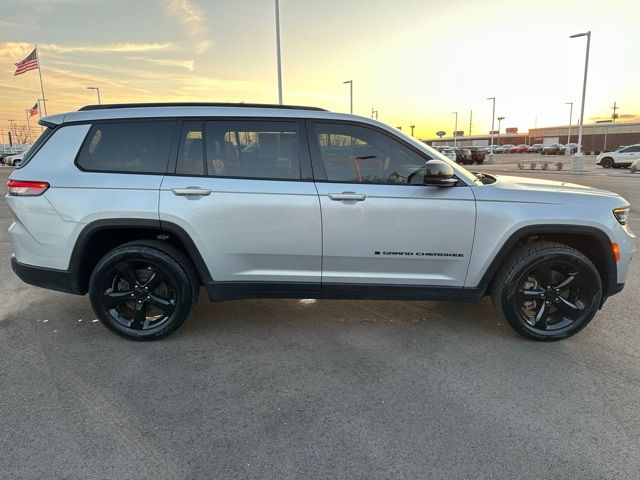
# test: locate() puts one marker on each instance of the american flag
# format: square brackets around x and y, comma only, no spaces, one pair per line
[29,63]
[33,110]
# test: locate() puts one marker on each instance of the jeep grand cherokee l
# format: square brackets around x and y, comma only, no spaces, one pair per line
[140,205]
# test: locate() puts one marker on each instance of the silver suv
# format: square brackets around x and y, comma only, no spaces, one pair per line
[140,205]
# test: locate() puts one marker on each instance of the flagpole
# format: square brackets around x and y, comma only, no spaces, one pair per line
[28,125]
[44,103]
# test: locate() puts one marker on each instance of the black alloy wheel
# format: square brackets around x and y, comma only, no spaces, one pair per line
[547,291]
[553,294]
[143,290]
[139,294]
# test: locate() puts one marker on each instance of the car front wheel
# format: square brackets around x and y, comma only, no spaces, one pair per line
[547,291]
[607,162]
[143,290]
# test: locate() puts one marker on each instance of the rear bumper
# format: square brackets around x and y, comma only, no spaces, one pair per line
[60,280]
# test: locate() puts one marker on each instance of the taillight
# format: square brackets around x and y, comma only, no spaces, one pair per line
[27,188]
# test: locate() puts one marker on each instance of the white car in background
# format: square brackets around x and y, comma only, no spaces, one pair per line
[623,157]
[447,152]
[14,160]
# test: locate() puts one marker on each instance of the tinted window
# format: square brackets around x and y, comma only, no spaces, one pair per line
[252,149]
[136,147]
[355,154]
[191,153]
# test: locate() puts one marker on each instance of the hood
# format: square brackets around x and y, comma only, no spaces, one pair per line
[536,184]
[545,192]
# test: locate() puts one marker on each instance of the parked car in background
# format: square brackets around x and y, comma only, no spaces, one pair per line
[463,155]
[552,149]
[490,149]
[477,154]
[14,160]
[504,148]
[535,148]
[623,157]
[569,149]
[447,152]
[522,148]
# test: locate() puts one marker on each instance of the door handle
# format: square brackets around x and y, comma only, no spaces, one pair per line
[358,197]
[183,192]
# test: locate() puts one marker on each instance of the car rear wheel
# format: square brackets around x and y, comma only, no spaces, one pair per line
[143,290]
[547,291]
[607,162]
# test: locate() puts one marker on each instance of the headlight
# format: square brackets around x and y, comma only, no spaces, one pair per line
[621,214]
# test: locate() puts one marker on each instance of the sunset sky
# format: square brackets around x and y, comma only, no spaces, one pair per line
[415,61]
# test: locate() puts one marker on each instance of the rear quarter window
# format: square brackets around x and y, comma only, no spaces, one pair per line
[127,147]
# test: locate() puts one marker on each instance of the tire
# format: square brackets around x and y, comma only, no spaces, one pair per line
[521,297]
[165,289]
[607,162]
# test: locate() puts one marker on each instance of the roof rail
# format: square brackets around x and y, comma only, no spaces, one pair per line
[196,104]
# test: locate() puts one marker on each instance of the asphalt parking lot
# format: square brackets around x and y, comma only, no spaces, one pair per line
[279,389]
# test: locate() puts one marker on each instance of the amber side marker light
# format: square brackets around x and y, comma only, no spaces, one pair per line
[26,188]
[616,251]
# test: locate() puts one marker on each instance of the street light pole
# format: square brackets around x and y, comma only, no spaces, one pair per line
[278,59]
[570,118]
[493,119]
[350,82]
[499,122]
[455,129]
[579,165]
[97,89]
[412,127]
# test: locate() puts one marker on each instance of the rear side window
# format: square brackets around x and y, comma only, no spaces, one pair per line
[127,147]
[253,149]
[36,146]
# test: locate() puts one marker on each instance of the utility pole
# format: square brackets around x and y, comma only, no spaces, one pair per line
[374,113]
[493,119]
[278,59]
[350,82]
[579,165]
[455,130]
[570,117]
[412,127]
[470,121]
[615,115]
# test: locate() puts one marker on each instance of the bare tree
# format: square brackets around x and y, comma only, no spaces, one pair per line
[21,133]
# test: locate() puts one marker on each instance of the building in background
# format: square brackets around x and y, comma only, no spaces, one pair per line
[596,137]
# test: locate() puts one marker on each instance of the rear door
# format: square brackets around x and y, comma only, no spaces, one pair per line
[242,189]
[380,224]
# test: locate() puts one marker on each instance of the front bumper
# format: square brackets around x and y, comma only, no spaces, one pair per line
[66,281]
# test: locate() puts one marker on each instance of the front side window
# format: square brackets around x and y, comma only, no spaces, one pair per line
[127,147]
[356,154]
[252,149]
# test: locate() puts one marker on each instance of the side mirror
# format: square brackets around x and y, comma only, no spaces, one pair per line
[439,173]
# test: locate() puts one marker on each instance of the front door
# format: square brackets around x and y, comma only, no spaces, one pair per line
[380,224]
[242,190]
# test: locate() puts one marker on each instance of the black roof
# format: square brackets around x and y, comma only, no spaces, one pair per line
[196,104]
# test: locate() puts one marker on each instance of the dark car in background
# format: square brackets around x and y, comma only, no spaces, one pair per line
[553,149]
[535,148]
[477,154]
[463,155]
[569,149]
